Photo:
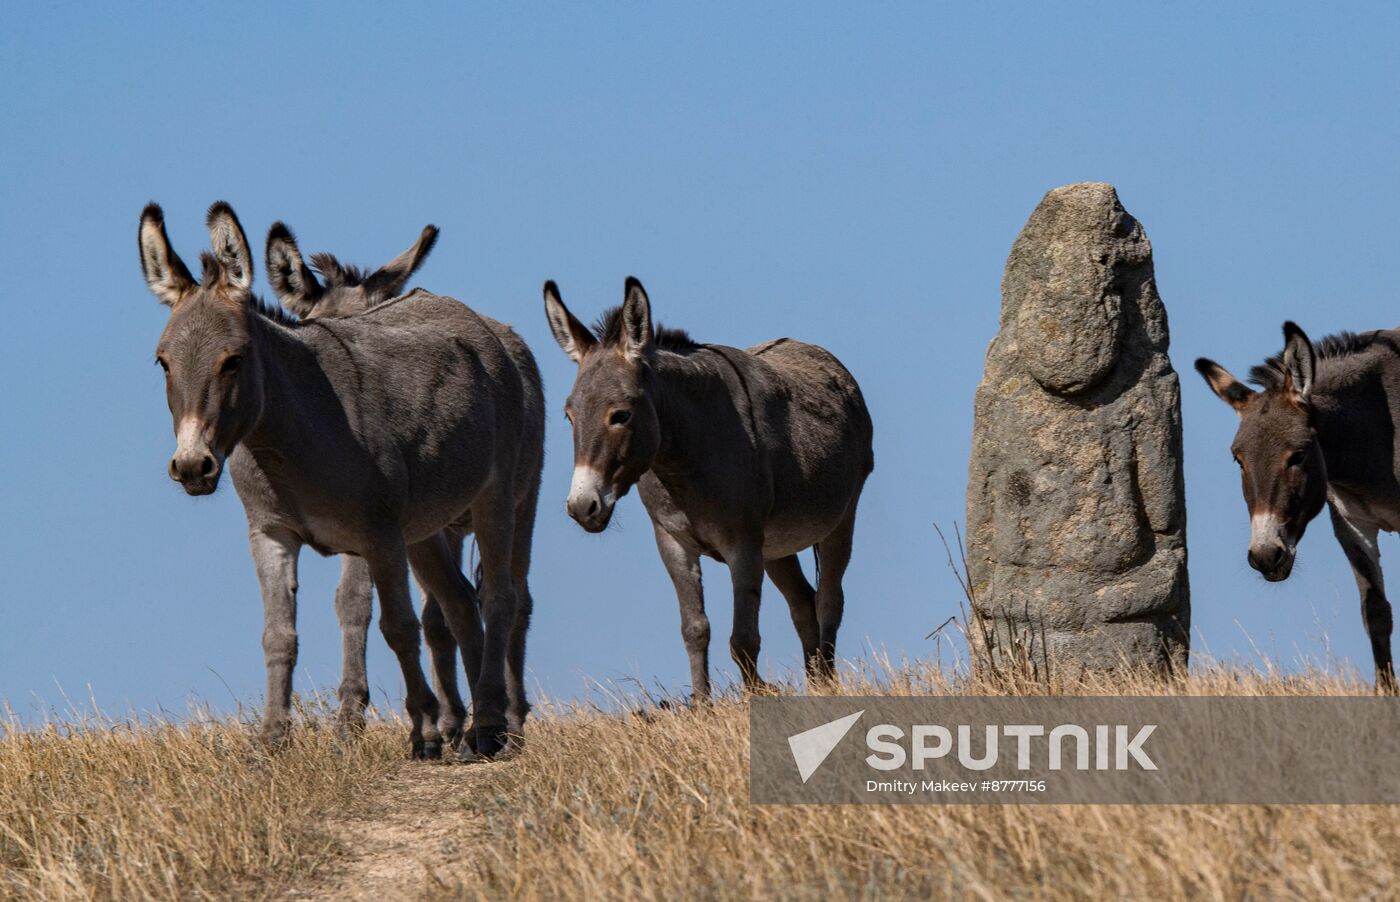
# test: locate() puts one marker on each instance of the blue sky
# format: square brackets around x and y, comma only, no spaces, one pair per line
[846,175]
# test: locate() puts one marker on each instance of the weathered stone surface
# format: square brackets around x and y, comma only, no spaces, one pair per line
[1075,504]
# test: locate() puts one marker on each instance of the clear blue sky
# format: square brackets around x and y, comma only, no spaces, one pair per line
[849,175]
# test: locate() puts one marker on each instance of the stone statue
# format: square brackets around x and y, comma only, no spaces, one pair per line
[1076,513]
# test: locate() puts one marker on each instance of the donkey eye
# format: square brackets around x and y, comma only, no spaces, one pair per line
[231,364]
[619,417]
[1239,463]
[160,361]
[1296,458]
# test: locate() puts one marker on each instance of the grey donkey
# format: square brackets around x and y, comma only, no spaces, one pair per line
[370,435]
[1321,433]
[348,291]
[746,456]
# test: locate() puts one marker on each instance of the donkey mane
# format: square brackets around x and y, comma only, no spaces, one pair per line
[1270,373]
[336,273]
[274,312]
[608,329]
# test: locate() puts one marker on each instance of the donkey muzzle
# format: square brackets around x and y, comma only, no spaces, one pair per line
[591,500]
[1270,550]
[195,465]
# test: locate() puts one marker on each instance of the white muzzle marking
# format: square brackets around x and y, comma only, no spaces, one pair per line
[1266,530]
[588,484]
[189,439]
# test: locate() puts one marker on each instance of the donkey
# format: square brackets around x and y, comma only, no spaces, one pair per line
[370,435]
[1322,431]
[747,457]
[349,291]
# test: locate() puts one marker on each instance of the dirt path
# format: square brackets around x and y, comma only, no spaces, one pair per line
[410,824]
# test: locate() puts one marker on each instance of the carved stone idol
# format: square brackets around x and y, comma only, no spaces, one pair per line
[1076,512]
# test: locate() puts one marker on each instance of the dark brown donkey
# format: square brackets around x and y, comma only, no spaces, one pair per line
[371,435]
[349,291]
[747,457]
[1322,432]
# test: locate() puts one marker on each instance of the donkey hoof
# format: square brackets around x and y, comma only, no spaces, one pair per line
[348,730]
[492,744]
[761,687]
[275,738]
[427,750]
[452,736]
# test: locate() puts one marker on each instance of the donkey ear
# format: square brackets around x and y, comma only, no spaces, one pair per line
[637,335]
[166,274]
[572,335]
[390,279]
[292,280]
[230,246]
[1299,362]
[1229,389]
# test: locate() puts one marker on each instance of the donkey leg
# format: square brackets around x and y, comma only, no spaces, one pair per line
[518,703]
[746,574]
[493,515]
[786,574]
[684,569]
[517,699]
[1358,540]
[399,625]
[275,554]
[442,654]
[465,618]
[833,555]
[354,606]
[435,562]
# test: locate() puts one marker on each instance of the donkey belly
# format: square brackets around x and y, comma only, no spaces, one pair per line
[707,530]
[812,495]
[460,455]
[329,535]
[447,501]
[1361,507]
[784,536]
[819,448]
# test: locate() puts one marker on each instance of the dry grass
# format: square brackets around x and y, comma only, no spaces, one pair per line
[658,808]
[155,809]
[654,806]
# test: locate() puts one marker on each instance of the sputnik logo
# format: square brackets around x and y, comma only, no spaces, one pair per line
[811,747]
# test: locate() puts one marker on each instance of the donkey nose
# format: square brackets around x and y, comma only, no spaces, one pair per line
[187,466]
[590,501]
[584,508]
[1265,558]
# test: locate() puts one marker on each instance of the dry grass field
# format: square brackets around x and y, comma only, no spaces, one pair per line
[639,805]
